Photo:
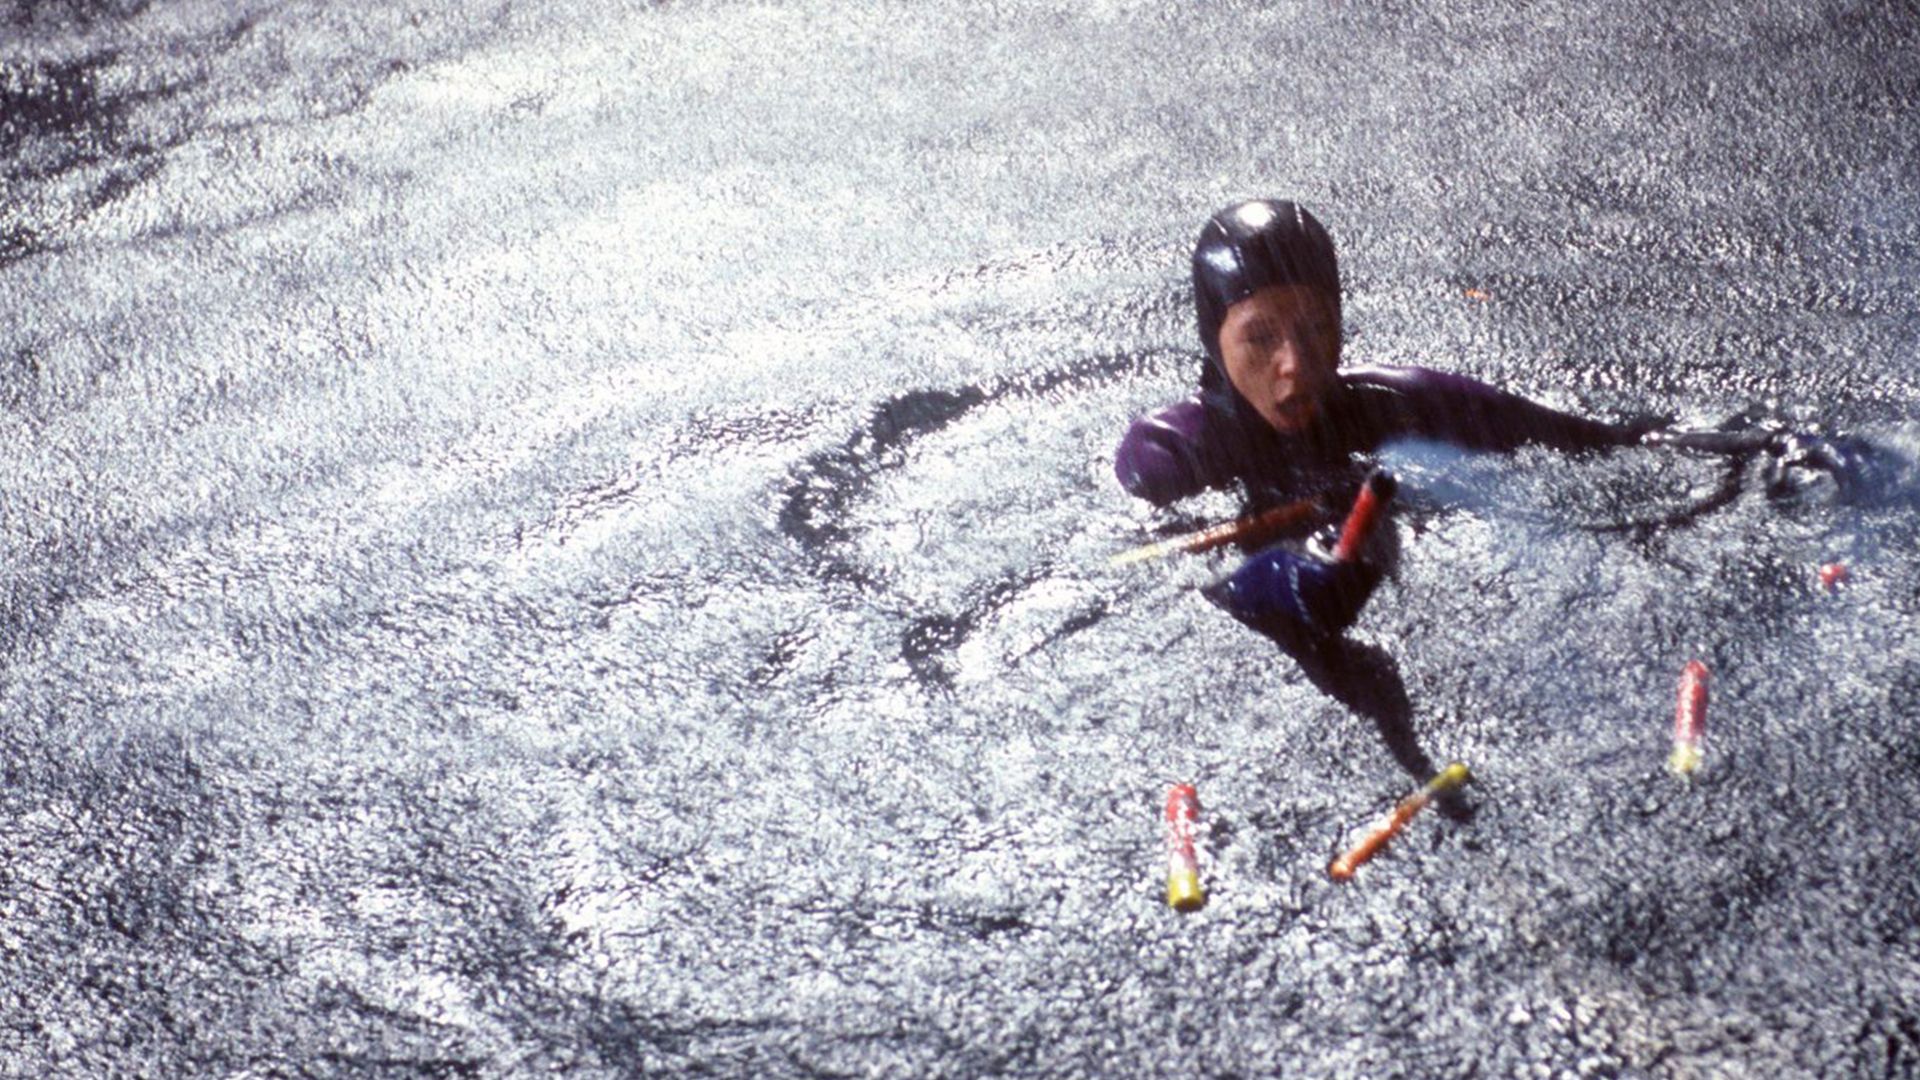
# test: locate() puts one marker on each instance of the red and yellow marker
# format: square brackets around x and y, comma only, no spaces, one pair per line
[1689,719]
[1251,530]
[1184,892]
[1448,779]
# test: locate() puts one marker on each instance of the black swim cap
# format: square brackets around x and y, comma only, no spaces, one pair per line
[1254,244]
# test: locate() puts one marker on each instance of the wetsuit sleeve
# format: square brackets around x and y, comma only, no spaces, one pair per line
[1472,414]
[1161,459]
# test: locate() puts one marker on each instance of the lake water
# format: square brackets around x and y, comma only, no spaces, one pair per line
[574,538]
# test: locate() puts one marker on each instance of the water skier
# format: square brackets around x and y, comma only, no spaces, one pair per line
[1275,409]
[1276,412]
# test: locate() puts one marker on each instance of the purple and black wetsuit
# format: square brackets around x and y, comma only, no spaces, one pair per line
[1215,439]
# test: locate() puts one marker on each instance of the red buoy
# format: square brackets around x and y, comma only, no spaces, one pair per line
[1183,865]
[1689,719]
[1368,508]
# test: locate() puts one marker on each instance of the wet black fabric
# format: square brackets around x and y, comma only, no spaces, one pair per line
[1215,440]
[1250,246]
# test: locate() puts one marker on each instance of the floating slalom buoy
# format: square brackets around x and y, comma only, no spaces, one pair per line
[1184,892]
[1451,777]
[1689,720]
[1833,575]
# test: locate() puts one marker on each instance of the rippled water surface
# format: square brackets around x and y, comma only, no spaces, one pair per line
[574,538]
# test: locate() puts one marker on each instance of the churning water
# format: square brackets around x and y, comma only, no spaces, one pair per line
[574,538]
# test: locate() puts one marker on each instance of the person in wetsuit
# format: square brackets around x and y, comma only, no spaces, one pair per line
[1275,410]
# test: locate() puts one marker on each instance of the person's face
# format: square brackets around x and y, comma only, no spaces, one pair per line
[1281,347]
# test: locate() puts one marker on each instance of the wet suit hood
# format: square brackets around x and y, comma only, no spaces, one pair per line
[1242,249]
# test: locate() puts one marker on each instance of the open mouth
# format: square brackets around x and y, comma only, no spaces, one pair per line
[1294,411]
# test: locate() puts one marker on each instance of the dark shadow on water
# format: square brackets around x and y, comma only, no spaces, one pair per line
[1843,469]
[818,507]
[1731,485]
[1366,679]
[72,13]
[68,145]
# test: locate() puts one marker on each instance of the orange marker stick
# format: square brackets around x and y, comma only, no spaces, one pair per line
[1251,530]
[1368,508]
[1689,719]
[1343,867]
[1183,866]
